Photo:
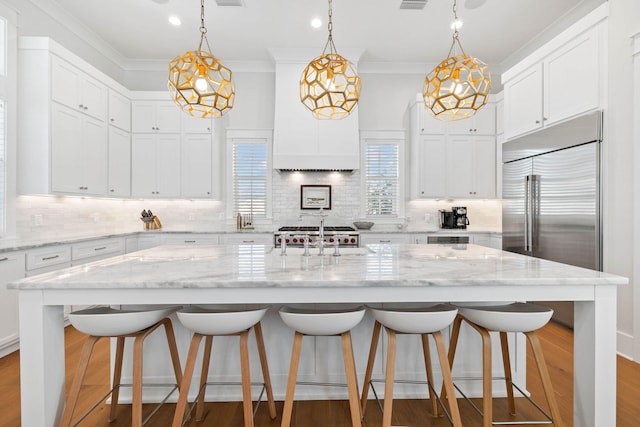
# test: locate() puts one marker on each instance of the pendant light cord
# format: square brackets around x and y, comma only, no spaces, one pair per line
[456,40]
[203,29]
[329,44]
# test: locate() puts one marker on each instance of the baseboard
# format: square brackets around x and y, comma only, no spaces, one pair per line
[9,344]
[625,345]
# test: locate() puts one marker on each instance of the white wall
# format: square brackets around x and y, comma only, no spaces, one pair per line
[620,193]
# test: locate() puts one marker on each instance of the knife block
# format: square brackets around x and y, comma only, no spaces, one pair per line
[152,223]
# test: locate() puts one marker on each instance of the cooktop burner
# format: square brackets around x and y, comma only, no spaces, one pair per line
[316,228]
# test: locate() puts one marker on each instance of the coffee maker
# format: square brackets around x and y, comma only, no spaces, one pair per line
[456,218]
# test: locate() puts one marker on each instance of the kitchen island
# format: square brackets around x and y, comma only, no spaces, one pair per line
[376,274]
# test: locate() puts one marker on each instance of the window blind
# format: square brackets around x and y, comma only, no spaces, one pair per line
[382,179]
[250,178]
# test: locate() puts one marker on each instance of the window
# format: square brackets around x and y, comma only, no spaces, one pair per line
[250,173]
[381,178]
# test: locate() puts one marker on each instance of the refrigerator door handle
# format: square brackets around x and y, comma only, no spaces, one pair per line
[534,213]
[527,213]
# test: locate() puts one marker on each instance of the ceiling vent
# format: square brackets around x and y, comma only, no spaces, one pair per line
[413,4]
[237,3]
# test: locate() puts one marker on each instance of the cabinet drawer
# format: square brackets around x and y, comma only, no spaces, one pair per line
[96,248]
[249,239]
[189,240]
[48,257]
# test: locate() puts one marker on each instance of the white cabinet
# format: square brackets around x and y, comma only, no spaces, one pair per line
[247,239]
[78,152]
[192,124]
[119,111]
[77,90]
[47,259]
[138,243]
[197,166]
[119,173]
[384,238]
[155,116]
[155,165]
[490,240]
[471,167]
[426,123]
[94,250]
[481,123]
[191,239]
[12,266]
[429,157]
[564,82]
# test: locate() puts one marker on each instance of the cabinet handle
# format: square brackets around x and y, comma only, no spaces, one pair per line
[208,192]
[80,106]
[544,119]
[189,241]
[3,259]
[100,248]
[248,241]
[112,120]
[385,241]
[85,107]
[112,190]
[46,258]
[537,122]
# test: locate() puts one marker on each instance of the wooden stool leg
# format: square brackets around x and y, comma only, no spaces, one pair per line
[506,363]
[117,375]
[453,344]
[265,370]
[487,392]
[429,370]
[372,358]
[352,379]
[204,374]
[389,377]
[447,380]
[173,350]
[181,406]
[136,408]
[291,383]
[74,391]
[544,376]
[246,379]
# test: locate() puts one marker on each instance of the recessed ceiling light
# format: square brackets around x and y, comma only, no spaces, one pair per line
[316,22]
[174,20]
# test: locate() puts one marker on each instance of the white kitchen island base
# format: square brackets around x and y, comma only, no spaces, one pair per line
[257,274]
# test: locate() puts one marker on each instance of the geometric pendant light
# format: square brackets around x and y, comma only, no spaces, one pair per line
[199,83]
[457,87]
[330,86]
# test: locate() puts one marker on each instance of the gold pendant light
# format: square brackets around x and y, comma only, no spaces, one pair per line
[199,83]
[330,86]
[459,85]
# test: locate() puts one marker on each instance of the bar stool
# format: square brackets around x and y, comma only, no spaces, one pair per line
[207,322]
[106,322]
[508,317]
[424,321]
[323,322]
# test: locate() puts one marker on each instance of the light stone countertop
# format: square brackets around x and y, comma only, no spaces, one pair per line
[257,266]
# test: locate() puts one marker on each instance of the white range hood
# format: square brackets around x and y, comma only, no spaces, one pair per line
[300,141]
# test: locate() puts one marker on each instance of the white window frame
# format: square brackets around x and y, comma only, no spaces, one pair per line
[255,136]
[383,137]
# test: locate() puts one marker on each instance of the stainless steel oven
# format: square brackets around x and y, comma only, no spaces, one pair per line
[295,235]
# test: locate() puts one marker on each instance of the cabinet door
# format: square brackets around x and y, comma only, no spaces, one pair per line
[65,83]
[94,97]
[460,167]
[143,116]
[143,165]
[168,116]
[484,121]
[432,167]
[12,267]
[192,124]
[484,167]
[119,162]
[462,127]
[428,123]
[119,111]
[500,117]
[523,102]
[168,166]
[196,166]
[66,150]
[381,239]
[94,155]
[572,78]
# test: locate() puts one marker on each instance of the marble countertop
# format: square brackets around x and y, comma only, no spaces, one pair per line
[257,266]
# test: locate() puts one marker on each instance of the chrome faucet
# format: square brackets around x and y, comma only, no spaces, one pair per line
[322,215]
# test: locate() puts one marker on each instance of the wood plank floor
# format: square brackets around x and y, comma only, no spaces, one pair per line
[557,342]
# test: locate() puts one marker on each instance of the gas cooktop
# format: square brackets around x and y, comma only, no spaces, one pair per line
[316,228]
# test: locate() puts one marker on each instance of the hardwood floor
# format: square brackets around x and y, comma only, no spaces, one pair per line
[557,342]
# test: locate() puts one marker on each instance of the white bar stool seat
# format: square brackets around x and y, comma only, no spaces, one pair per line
[103,322]
[422,320]
[503,318]
[222,320]
[323,321]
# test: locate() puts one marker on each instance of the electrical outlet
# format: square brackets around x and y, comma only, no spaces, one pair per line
[36,219]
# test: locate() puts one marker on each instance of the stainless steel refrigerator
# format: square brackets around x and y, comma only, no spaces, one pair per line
[552,198]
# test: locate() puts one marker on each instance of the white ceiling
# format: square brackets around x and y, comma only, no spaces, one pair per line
[139,30]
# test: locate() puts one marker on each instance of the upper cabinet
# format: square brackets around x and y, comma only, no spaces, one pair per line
[119,111]
[77,90]
[155,117]
[560,80]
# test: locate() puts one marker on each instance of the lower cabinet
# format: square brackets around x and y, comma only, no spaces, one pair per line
[248,239]
[191,239]
[12,266]
[382,238]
